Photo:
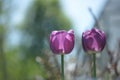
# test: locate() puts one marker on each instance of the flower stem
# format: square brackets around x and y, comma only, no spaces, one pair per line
[62,66]
[94,66]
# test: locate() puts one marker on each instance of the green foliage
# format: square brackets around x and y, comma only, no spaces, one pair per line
[19,69]
[1,4]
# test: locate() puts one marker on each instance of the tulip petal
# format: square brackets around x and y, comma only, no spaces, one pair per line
[54,45]
[68,43]
[53,34]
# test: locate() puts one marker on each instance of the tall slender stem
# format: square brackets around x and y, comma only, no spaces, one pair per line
[94,66]
[62,66]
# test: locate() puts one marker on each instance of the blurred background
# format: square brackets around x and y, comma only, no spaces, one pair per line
[25,26]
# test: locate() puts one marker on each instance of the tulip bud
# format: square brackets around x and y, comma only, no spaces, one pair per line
[93,41]
[62,42]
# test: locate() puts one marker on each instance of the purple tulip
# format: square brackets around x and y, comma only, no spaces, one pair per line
[62,42]
[93,41]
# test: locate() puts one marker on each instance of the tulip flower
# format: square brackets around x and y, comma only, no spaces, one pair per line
[93,41]
[62,42]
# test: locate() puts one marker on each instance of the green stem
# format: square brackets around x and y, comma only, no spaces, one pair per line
[94,66]
[62,66]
